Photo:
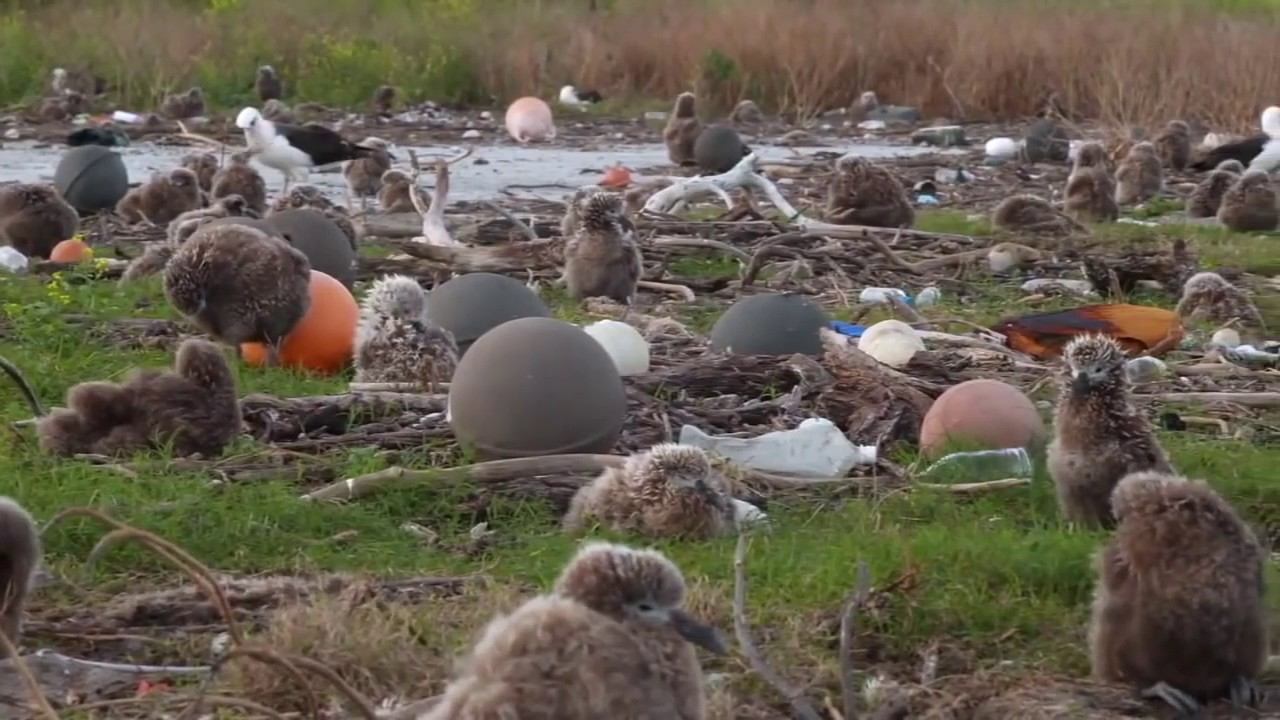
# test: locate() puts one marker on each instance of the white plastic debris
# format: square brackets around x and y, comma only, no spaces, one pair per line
[124,116]
[12,260]
[1075,287]
[1145,369]
[928,296]
[892,342]
[12,134]
[1001,148]
[881,295]
[629,350]
[471,134]
[1226,337]
[486,116]
[872,125]
[744,513]
[816,448]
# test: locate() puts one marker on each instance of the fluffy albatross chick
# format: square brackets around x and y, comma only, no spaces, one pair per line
[1179,610]
[1249,205]
[204,165]
[393,196]
[1173,144]
[194,408]
[267,84]
[396,343]
[384,100]
[238,177]
[1098,435]
[188,222]
[1207,296]
[35,218]
[364,175]
[668,490]
[602,258]
[19,556]
[1139,177]
[1028,213]
[1090,191]
[863,193]
[611,642]
[162,199]
[1204,201]
[239,285]
[184,105]
[682,130]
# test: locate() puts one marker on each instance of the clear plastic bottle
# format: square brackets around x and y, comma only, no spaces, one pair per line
[979,466]
[881,295]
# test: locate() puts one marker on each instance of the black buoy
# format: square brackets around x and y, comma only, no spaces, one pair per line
[91,178]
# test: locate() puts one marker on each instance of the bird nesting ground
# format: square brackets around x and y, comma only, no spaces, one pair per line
[162,199]
[193,409]
[1099,436]
[602,257]
[396,342]
[35,218]
[862,193]
[239,284]
[668,491]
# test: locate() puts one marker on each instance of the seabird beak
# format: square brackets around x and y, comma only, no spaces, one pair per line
[1081,382]
[698,632]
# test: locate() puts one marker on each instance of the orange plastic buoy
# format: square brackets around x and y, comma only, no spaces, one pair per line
[324,339]
[71,251]
[616,177]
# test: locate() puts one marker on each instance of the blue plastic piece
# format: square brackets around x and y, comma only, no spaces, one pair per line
[849,329]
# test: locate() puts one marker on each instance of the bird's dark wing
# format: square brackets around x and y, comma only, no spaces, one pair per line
[1243,150]
[323,145]
[590,96]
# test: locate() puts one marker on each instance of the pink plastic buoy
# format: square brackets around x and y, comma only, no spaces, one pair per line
[529,120]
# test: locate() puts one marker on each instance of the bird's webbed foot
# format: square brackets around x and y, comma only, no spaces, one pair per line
[1180,701]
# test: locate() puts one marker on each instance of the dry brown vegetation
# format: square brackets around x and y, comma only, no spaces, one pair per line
[1141,63]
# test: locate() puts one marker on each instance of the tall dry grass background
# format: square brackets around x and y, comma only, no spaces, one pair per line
[1132,62]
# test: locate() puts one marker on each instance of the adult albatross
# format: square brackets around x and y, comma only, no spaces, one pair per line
[295,149]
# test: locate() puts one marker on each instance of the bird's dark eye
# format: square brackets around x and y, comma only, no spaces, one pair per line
[644,607]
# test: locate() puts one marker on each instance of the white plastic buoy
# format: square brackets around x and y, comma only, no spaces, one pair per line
[629,349]
[529,120]
[1001,148]
[816,448]
[1145,369]
[892,342]
[1226,337]
[928,296]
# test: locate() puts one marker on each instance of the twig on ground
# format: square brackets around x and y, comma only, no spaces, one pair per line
[795,697]
[525,230]
[674,288]
[38,700]
[848,631]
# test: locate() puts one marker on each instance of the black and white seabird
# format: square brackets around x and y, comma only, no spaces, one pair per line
[295,149]
[1268,158]
[570,95]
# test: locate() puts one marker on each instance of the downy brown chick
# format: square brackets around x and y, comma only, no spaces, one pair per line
[746,112]
[1207,296]
[396,342]
[1098,435]
[62,107]
[1028,213]
[1090,191]
[1173,145]
[1204,201]
[1249,205]
[668,490]
[384,100]
[602,258]
[239,285]
[188,222]
[35,218]
[1139,177]
[267,84]
[393,196]
[162,199]
[238,177]
[194,409]
[277,112]
[204,165]
[19,556]
[1179,609]
[364,174]
[309,196]
[682,130]
[185,105]
[863,193]
[611,642]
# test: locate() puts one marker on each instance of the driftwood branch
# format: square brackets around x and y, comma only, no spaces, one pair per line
[513,257]
[795,697]
[1256,400]
[434,230]
[676,289]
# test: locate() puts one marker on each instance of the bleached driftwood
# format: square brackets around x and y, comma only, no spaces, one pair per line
[434,229]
